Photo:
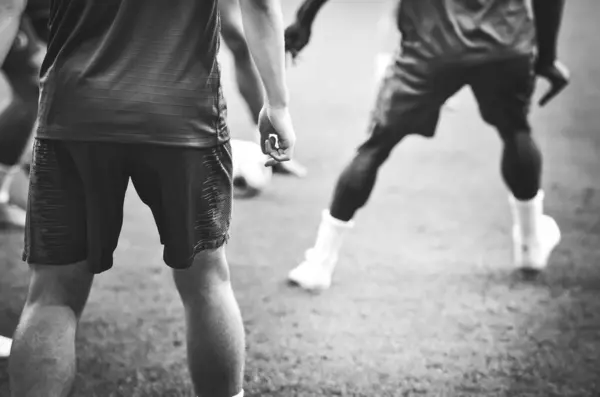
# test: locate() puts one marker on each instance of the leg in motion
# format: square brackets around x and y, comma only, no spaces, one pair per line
[535,235]
[351,193]
[504,103]
[410,97]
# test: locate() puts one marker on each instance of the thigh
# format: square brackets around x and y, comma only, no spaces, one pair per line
[504,90]
[75,206]
[189,191]
[67,285]
[411,95]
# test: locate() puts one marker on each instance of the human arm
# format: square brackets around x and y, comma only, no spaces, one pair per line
[548,17]
[297,35]
[263,27]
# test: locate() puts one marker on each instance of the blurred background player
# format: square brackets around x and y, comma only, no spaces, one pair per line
[445,45]
[19,90]
[246,75]
[159,119]
[21,53]
[10,17]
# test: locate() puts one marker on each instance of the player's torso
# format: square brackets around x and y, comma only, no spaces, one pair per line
[144,69]
[466,29]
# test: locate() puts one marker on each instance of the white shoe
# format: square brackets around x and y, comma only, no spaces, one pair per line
[534,255]
[12,215]
[315,273]
[5,345]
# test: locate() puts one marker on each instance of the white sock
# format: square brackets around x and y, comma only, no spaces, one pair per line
[7,175]
[527,214]
[331,234]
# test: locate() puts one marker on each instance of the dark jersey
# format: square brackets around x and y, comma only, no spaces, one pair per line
[467,30]
[133,71]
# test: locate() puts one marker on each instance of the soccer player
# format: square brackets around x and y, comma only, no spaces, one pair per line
[247,78]
[20,86]
[131,90]
[494,46]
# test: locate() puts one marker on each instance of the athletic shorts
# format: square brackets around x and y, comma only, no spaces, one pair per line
[77,191]
[413,91]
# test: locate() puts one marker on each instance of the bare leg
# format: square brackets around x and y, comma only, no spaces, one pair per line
[43,361]
[215,331]
[352,191]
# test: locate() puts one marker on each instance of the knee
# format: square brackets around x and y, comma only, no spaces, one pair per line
[209,271]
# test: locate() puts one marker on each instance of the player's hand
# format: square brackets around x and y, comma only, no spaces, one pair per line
[296,38]
[277,134]
[557,75]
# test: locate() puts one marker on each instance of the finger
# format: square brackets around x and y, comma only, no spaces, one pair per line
[268,147]
[274,152]
[271,162]
[279,156]
[276,157]
[556,87]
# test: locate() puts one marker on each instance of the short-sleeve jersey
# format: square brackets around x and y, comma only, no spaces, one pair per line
[467,30]
[133,71]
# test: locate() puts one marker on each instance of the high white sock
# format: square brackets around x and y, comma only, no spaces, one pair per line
[331,234]
[527,214]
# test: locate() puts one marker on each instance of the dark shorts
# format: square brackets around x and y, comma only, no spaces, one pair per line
[413,91]
[77,191]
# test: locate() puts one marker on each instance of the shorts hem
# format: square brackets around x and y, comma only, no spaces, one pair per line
[207,245]
[30,261]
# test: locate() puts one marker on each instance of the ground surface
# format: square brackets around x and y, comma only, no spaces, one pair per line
[425,302]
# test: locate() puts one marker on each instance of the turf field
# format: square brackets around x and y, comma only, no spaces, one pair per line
[425,302]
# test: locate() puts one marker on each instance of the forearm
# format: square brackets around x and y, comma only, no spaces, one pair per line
[308,12]
[548,17]
[263,26]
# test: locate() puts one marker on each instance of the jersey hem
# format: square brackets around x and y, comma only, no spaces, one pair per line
[199,142]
